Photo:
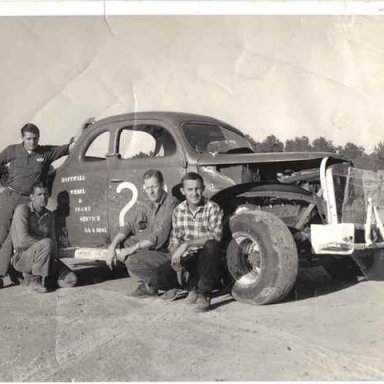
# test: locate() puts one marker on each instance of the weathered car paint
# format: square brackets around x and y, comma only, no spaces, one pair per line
[95,196]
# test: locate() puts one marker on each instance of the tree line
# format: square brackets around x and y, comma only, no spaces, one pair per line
[357,154]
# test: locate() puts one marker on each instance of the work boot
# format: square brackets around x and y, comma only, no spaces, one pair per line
[15,276]
[12,278]
[27,279]
[202,303]
[172,294]
[37,284]
[192,297]
[67,279]
[143,290]
[5,281]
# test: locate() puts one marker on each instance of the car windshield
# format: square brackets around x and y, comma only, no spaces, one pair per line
[211,138]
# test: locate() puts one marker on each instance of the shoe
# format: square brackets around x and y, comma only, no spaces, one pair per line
[202,303]
[39,289]
[27,279]
[172,294]
[4,281]
[192,297]
[36,284]
[67,279]
[8,280]
[15,276]
[143,290]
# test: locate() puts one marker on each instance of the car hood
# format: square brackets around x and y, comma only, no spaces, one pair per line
[271,157]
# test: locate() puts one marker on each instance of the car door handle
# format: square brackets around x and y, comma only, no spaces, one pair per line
[116,180]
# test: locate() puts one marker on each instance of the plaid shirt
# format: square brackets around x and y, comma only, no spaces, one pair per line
[207,221]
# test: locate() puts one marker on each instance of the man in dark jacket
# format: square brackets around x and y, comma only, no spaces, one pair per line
[28,163]
[146,233]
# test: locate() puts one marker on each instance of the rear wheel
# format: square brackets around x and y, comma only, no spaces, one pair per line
[261,257]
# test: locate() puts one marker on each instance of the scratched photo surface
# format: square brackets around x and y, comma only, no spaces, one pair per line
[286,76]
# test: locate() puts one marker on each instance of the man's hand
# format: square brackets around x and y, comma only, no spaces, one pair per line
[111,257]
[178,255]
[125,252]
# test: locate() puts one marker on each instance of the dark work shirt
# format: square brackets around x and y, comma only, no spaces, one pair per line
[156,218]
[27,168]
[29,226]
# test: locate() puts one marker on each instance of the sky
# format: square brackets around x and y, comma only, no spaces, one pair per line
[283,75]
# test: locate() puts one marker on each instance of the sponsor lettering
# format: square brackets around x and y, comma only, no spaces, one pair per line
[71,179]
[77,191]
[95,230]
[83,209]
[89,219]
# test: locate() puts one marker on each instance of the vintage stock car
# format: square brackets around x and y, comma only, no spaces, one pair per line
[282,210]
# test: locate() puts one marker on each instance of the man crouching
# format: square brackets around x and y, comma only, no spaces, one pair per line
[34,240]
[145,234]
[194,245]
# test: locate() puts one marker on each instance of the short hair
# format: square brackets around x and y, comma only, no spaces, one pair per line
[192,176]
[153,173]
[38,184]
[31,128]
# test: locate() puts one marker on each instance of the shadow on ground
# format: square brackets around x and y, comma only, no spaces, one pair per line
[93,272]
[314,282]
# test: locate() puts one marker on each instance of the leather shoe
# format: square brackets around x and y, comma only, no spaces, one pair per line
[172,294]
[192,297]
[143,290]
[37,284]
[203,303]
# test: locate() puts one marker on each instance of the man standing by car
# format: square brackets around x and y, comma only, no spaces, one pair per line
[194,245]
[147,230]
[28,163]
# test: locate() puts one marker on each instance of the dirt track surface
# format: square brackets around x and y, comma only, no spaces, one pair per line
[324,331]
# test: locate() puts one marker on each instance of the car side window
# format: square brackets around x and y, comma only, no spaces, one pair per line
[145,141]
[98,148]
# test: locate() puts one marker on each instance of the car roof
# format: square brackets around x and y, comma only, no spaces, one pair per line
[174,118]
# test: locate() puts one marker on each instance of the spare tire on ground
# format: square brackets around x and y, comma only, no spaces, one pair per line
[261,257]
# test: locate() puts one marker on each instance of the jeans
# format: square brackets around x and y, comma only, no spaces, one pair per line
[36,259]
[142,264]
[9,200]
[205,269]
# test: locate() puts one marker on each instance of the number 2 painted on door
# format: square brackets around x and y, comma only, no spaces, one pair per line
[131,203]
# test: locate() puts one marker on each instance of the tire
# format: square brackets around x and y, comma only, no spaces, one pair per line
[261,258]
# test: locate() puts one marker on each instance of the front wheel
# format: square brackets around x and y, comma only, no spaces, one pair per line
[261,257]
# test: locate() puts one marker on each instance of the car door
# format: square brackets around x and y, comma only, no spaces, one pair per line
[80,190]
[140,145]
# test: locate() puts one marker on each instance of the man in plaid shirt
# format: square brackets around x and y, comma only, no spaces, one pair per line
[194,245]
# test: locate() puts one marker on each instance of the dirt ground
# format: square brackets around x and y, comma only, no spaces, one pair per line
[325,331]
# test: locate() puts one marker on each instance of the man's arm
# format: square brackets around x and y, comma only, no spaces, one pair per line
[19,229]
[5,155]
[131,227]
[176,238]
[73,140]
[162,228]
[215,222]
[52,234]
[63,150]
[215,228]
[111,255]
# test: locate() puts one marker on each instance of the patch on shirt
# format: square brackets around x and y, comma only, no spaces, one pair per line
[40,159]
